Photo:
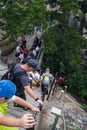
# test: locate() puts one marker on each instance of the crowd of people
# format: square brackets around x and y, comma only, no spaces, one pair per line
[22,51]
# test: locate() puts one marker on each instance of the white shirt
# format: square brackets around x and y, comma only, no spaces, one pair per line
[21,57]
[12,99]
[37,49]
[35,75]
[34,52]
[18,49]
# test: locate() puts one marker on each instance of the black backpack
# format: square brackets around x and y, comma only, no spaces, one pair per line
[9,75]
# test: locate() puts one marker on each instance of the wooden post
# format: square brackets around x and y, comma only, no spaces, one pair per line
[51,86]
[57,113]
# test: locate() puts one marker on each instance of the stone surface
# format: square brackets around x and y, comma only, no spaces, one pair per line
[72,113]
[3,68]
[11,57]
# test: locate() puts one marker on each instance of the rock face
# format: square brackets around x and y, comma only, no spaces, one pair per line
[8,53]
[7,46]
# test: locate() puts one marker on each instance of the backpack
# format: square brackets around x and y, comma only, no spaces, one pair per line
[9,75]
[6,75]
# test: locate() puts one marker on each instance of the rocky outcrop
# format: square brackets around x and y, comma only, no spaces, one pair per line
[7,46]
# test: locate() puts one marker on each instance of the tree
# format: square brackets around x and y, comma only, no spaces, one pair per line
[20,15]
[83,5]
[62,45]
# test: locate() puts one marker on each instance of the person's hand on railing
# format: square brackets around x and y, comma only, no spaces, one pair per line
[35,109]
[27,121]
[40,102]
[34,115]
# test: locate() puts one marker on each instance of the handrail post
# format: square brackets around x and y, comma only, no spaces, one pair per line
[51,86]
[34,115]
[57,113]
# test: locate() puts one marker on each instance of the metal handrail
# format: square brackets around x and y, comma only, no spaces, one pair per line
[39,54]
[34,115]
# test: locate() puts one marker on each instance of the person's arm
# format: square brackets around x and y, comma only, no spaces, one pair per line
[37,80]
[42,78]
[27,88]
[24,103]
[32,94]
[31,76]
[27,121]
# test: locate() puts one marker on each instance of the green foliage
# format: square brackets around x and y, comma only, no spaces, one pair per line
[72,42]
[76,127]
[52,37]
[62,51]
[69,5]
[37,14]
[78,81]
[20,16]
[66,47]
[62,45]
[84,106]
[66,7]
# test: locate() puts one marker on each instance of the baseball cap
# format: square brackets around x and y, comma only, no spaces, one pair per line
[7,88]
[33,63]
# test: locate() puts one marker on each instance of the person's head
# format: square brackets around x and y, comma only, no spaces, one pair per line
[9,66]
[24,61]
[7,90]
[47,70]
[31,64]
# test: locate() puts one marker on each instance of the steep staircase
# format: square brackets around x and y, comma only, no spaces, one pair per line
[72,116]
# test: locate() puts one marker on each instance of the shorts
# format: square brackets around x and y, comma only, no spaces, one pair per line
[44,87]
